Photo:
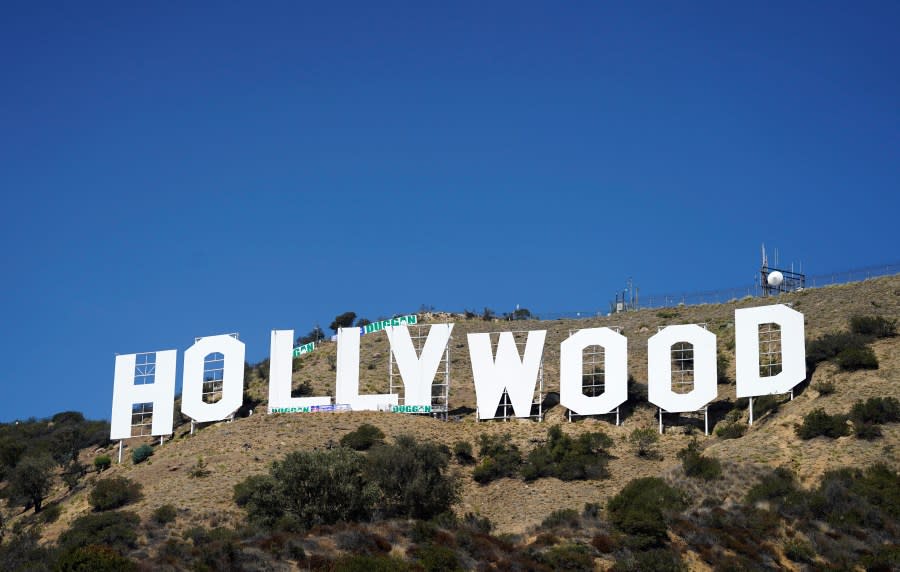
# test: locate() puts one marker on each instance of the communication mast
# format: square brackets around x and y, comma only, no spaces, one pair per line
[774,280]
[626,300]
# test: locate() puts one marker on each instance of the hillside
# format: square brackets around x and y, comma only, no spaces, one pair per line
[247,446]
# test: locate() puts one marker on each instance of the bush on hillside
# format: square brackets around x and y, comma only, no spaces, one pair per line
[102,462]
[165,514]
[778,485]
[114,492]
[141,454]
[818,423]
[462,450]
[876,410]
[734,430]
[825,387]
[413,478]
[363,438]
[564,517]
[875,326]
[308,488]
[569,556]
[115,529]
[698,466]
[94,558]
[640,510]
[853,359]
[644,440]
[567,458]
[830,345]
[848,498]
[498,458]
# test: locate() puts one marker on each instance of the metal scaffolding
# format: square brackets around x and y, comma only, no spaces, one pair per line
[440,385]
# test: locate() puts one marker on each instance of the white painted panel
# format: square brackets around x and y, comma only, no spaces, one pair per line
[161,393]
[659,368]
[746,341]
[192,403]
[517,375]
[281,362]
[615,364]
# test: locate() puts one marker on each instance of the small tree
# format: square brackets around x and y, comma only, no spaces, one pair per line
[644,440]
[32,480]
[344,320]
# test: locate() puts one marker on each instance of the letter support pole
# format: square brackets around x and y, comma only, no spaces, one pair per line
[751,411]
[120,451]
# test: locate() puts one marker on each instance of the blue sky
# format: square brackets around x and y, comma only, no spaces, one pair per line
[180,169]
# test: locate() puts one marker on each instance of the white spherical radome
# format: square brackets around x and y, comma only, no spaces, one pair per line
[775,279]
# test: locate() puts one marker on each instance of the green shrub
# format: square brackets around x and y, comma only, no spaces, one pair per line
[569,557]
[308,488]
[640,510]
[435,558]
[365,563]
[591,510]
[499,458]
[476,523]
[867,431]
[363,438]
[765,404]
[462,450]
[698,466]
[644,440]
[851,498]
[731,430]
[778,485]
[655,559]
[799,551]
[568,458]
[51,513]
[413,478]
[825,387]
[114,492]
[360,541]
[875,326]
[115,529]
[102,462]
[818,423]
[199,470]
[876,410]
[141,454]
[94,558]
[853,359]
[165,514]
[564,517]
[830,345]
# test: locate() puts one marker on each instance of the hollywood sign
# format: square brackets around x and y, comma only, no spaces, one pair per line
[493,372]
